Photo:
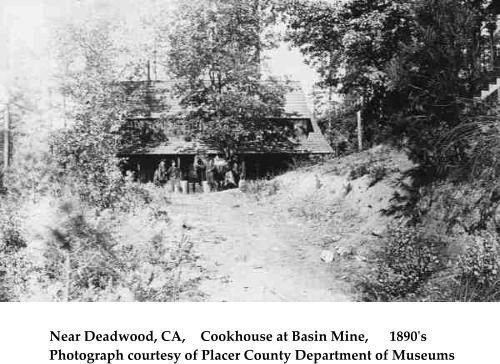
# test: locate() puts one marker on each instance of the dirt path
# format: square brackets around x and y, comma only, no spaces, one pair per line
[255,252]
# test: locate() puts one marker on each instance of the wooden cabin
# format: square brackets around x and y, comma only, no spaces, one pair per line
[155,101]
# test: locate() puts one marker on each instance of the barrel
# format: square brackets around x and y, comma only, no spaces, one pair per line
[177,186]
[184,186]
[206,187]
[242,184]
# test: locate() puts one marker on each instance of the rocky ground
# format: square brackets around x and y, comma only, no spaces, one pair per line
[253,252]
[299,237]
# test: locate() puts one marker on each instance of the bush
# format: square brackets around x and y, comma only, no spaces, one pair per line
[359,171]
[408,259]
[33,174]
[156,270]
[11,238]
[83,253]
[376,172]
[16,270]
[462,217]
[475,274]
[479,265]
[377,163]
[14,266]
[261,187]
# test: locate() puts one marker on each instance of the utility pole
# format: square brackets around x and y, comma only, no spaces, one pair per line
[6,137]
[360,126]
[360,130]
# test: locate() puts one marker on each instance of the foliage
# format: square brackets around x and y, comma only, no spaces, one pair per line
[462,218]
[414,67]
[478,270]
[375,172]
[375,169]
[159,279]
[351,44]
[261,187]
[13,263]
[409,64]
[337,120]
[86,152]
[31,175]
[339,128]
[407,260]
[73,252]
[472,275]
[216,50]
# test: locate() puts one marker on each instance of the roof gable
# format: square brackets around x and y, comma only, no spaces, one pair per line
[152,98]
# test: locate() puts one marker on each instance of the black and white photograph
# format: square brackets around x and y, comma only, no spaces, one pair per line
[249,151]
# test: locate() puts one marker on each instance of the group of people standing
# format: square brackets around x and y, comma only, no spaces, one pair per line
[162,175]
[219,173]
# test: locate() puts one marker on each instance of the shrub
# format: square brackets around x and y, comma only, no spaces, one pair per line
[16,270]
[14,265]
[262,187]
[462,214]
[156,272]
[134,195]
[10,235]
[475,276]
[479,265]
[406,262]
[377,173]
[84,253]
[359,171]
[373,166]
[33,174]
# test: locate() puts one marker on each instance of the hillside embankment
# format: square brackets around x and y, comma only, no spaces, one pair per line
[297,237]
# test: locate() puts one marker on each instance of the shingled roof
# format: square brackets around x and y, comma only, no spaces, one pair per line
[155,97]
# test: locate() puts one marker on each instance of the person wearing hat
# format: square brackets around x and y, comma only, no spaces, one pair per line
[160,175]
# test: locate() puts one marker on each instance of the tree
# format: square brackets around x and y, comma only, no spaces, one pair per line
[216,51]
[86,151]
[435,77]
[411,62]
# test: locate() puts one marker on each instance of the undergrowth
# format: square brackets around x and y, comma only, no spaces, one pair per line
[63,249]
[447,249]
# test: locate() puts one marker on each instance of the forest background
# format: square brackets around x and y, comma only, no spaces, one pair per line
[413,69]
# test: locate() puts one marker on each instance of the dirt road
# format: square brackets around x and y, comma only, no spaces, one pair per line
[255,251]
